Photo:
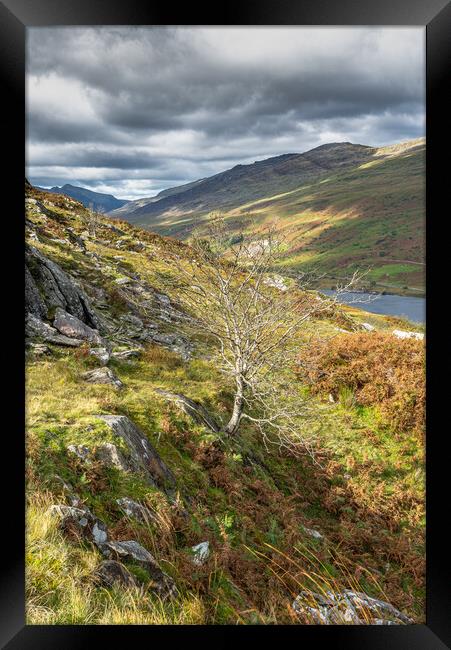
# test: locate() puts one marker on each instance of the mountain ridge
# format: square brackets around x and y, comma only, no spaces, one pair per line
[99,201]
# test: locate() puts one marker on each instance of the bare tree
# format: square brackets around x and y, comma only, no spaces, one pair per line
[233,296]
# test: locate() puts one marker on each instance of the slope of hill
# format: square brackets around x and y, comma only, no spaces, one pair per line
[122,483]
[96,200]
[340,206]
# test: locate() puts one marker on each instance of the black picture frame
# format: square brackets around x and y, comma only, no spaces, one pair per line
[15,17]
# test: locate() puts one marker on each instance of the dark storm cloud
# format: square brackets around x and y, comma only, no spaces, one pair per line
[117,106]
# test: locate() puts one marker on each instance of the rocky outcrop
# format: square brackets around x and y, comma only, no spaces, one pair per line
[126,355]
[102,376]
[110,573]
[194,409]
[48,287]
[143,457]
[347,607]
[110,456]
[101,354]
[130,550]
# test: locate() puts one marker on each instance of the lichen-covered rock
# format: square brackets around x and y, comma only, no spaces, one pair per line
[101,354]
[132,551]
[73,327]
[347,607]
[136,510]
[143,456]
[83,521]
[194,409]
[110,573]
[36,328]
[201,553]
[55,288]
[102,376]
[125,355]
[109,455]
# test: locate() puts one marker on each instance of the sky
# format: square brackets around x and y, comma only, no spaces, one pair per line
[133,110]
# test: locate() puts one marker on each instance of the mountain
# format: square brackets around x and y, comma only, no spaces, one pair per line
[341,206]
[96,200]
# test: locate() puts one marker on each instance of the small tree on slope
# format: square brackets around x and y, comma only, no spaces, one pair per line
[234,297]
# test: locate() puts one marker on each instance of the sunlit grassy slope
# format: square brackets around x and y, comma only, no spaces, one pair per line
[341,207]
[363,493]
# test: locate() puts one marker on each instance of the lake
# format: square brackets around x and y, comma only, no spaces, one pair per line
[412,308]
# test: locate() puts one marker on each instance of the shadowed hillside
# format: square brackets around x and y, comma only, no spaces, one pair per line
[341,206]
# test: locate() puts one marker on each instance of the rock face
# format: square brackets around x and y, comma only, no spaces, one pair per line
[347,607]
[102,376]
[143,457]
[132,551]
[73,327]
[49,287]
[195,410]
[110,573]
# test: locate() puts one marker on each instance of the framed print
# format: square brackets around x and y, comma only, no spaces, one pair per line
[230,399]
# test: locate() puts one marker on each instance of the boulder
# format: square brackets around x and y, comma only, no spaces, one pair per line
[201,553]
[102,376]
[311,532]
[347,607]
[368,327]
[194,409]
[73,327]
[38,349]
[134,552]
[136,510]
[36,328]
[143,457]
[110,573]
[173,342]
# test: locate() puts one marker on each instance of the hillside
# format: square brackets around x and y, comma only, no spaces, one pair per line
[139,511]
[341,206]
[95,200]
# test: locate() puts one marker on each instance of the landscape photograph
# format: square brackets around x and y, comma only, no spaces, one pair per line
[225,325]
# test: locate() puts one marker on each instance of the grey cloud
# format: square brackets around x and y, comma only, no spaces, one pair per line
[153,101]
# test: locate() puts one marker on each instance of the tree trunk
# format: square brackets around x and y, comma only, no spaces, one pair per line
[234,422]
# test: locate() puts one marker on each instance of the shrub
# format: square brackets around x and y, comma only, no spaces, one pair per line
[379,369]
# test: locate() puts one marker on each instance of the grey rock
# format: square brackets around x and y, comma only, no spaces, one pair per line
[88,526]
[102,376]
[312,533]
[81,451]
[56,289]
[111,456]
[132,551]
[143,456]
[194,409]
[36,328]
[38,349]
[125,355]
[347,607]
[110,573]
[136,510]
[201,553]
[101,354]
[73,327]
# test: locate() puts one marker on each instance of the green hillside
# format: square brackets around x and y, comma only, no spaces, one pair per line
[340,207]
[108,342]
